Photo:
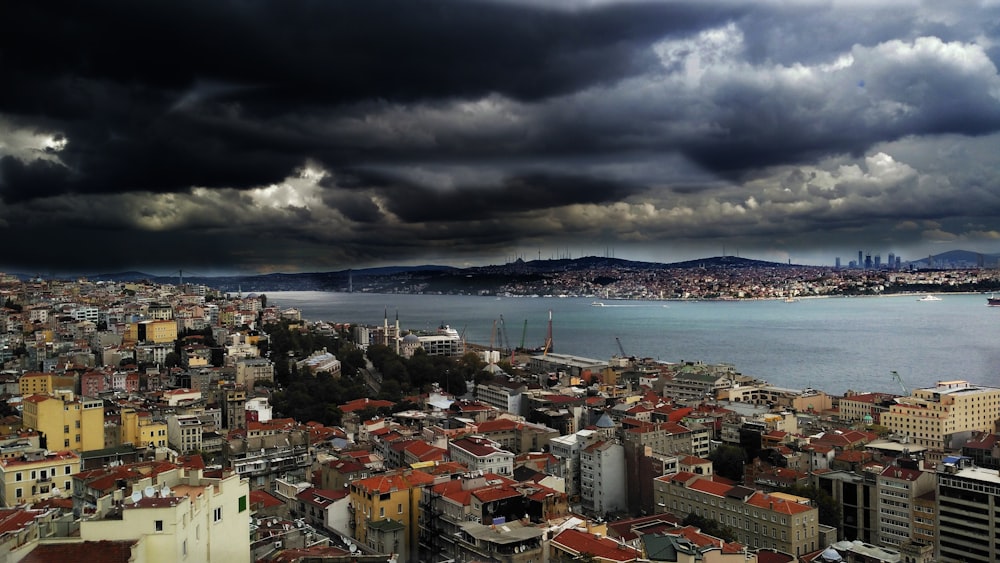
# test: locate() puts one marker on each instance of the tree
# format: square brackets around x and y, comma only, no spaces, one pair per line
[172,360]
[728,461]
[710,527]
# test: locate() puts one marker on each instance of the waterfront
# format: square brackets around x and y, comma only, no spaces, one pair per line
[831,344]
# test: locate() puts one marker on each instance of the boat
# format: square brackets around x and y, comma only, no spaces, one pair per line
[993,301]
[935,298]
[597,304]
[791,300]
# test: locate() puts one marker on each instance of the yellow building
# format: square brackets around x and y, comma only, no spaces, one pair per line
[39,383]
[65,421]
[392,496]
[158,331]
[942,416]
[139,428]
[38,476]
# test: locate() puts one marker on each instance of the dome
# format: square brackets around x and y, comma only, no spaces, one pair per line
[604,421]
[830,554]
[411,339]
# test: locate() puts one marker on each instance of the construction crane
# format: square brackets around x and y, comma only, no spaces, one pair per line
[548,337]
[524,332]
[899,379]
[506,342]
[621,349]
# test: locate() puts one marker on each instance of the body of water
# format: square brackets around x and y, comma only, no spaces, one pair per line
[831,344]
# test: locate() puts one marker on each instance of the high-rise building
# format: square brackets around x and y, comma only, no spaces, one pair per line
[891,263]
[837,262]
[968,499]
[878,261]
[861,258]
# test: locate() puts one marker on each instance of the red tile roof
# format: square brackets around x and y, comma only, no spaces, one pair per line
[577,542]
[264,499]
[90,551]
[777,504]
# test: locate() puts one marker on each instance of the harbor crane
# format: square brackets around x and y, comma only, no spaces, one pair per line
[621,349]
[899,379]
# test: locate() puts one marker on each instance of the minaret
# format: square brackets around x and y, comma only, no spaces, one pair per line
[385,326]
[397,332]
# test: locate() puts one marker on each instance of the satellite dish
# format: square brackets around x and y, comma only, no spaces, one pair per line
[352,547]
[149,491]
[136,496]
[56,492]
[165,491]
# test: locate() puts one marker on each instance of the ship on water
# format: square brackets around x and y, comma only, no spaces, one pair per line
[993,301]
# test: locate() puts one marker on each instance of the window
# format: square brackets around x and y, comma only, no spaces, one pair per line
[158,525]
[217,514]
[243,503]
[400,508]
[18,493]
[67,470]
[66,443]
[381,512]
[17,476]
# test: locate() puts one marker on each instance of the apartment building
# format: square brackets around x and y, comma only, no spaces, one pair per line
[485,518]
[602,478]
[179,515]
[968,505]
[392,496]
[668,437]
[864,407]
[43,383]
[249,371]
[897,489]
[155,331]
[480,454]
[185,432]
[760,520]
[36,476]
[142,430]
[66,421]
[944,416]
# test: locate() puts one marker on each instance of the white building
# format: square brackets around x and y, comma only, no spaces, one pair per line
[602,477]
[480,454]
[181,516]
[184,433]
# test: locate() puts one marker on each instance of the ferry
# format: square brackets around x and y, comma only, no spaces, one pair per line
[935,298]
[993,301]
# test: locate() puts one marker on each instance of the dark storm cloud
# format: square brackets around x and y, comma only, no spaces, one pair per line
[536,191]
[366,130]
[126,82]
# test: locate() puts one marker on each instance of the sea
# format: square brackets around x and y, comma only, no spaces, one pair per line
[832,344]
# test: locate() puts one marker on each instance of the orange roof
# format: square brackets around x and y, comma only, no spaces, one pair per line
[399,481]
[777,504]
[577,542]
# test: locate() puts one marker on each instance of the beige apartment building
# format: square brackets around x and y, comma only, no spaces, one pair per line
[759,520]
[943,416]
[36,476]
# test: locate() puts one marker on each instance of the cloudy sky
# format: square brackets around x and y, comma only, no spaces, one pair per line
[267,136]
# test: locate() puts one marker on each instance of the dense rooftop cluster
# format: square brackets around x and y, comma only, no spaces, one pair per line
[137,412]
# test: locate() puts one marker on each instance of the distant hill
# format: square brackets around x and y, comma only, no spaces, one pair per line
[957,259]
[437,278]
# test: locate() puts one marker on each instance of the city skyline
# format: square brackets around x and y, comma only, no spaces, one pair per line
[264,136]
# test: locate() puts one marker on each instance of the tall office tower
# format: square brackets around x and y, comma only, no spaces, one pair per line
[878,261]
[837,261]
[868,261]
[891,264]
[899,262]
[861,258]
